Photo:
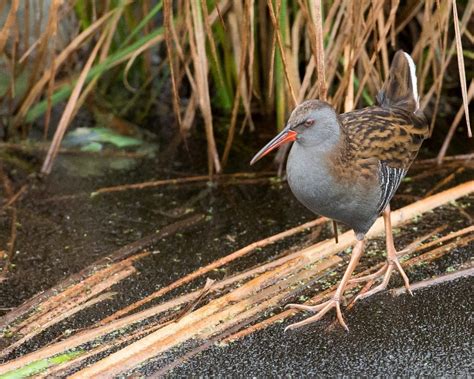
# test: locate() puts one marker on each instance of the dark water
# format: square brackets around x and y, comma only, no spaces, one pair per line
[62,229]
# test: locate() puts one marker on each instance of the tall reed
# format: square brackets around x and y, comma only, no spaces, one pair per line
[239,57]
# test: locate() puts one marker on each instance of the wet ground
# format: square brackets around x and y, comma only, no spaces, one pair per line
[430,334]
[62,229]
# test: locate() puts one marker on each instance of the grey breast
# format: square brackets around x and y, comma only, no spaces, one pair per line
[314,186]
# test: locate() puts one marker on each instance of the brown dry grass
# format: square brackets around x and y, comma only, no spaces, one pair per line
[243,55]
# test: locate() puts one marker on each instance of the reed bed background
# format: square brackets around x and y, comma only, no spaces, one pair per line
[239,58]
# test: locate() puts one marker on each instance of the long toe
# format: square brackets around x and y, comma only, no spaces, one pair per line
[307,308]
[373,291]
[379,273]
[322,309]
[404,275]
[392,264]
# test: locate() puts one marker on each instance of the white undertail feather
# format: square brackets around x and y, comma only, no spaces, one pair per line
[414,83]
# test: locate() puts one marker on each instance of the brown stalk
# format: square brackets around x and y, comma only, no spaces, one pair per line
[272,296]
[462,69]
[438,252]
[11,242]
[69,110]
[410,13]
[66,367]
[250,9]
[451,159]
[435,281]
[121,254]
[12,200]
[203,319]
[454,125]
[52,33]
[437,241]
[445,181]
[240,38]
[71,301]
[198,52]
[206,317]
[37,89]
[465,20]
[271,69]
[176,181]
[216,264]
[9,23]
[110,32]
[315,11]
[307,79]
[241,88]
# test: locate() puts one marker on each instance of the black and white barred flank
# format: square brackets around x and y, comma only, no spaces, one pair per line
[389,178]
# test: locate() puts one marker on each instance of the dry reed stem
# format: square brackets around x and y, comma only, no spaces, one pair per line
[439,251]
[445,181]
[105,48]
[199,56]
[240,91]
[69,110]
[203,319]
[452,159]
[434,281]
[454,125]
[12,200]
[75,44]
[72,284]
[315,10]
[216,264]
[176,181]
[71,301]
[9,23]
[11,241]
[272,296]
[462,69]
[465,21]
[168,15]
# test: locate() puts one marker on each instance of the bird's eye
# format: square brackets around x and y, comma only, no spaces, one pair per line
[309,122]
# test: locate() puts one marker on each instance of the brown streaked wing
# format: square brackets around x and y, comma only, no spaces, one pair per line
[390,136]
[393,136]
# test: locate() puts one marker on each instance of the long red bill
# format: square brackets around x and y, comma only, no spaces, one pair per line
[285,136]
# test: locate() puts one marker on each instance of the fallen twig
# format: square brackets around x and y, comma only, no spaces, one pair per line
[438,252]
[445,181]
[15,197]
[176,181]
[448,159]
[434,281]
[122,253]
[212,266]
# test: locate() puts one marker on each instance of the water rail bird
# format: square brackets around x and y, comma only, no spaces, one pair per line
[347,167]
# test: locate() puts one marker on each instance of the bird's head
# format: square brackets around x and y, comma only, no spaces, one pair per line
[311,123]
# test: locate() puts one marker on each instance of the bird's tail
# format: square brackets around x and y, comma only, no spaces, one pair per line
[400,88]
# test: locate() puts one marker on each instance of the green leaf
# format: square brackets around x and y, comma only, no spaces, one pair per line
[41,365]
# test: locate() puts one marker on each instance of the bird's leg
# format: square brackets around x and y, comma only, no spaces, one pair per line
[387,269]
[323,308]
